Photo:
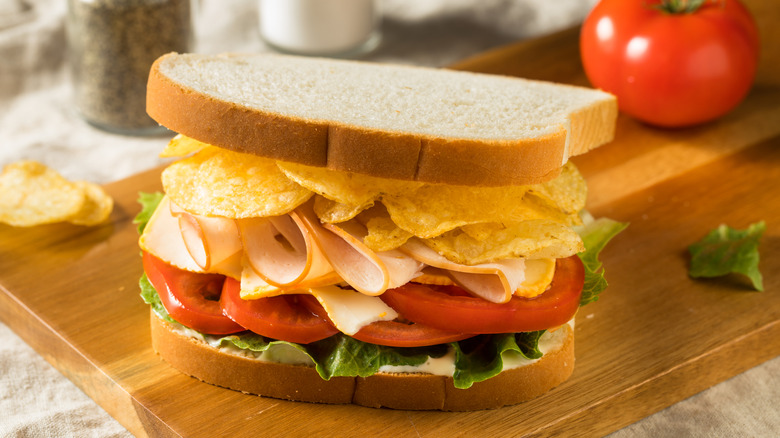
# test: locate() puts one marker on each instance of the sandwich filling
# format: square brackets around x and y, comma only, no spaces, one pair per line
[258,252]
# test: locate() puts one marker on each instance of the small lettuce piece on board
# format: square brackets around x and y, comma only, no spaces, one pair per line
[726,250]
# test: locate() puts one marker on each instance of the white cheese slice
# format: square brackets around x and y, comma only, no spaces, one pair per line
[351,310]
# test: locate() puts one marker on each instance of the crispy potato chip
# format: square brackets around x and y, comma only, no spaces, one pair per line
[181,146]
[219,182]
[566,193]
[384,235]
[482,232]
[435,209]
[530,239]
[540,208]
[429,210]
[96,208]
[33,194]
[352,189]
[332,212]
[478,243]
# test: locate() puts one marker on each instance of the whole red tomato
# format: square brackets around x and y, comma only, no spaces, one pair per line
[671,67]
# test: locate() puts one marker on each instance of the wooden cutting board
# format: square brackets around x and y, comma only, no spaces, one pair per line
[655,337]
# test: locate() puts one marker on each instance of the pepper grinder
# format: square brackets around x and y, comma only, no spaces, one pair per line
[335,28]
[111,47]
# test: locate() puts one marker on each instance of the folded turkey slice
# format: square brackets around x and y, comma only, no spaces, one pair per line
[281,250]
[494,282]
[368,272]
[209,240]
[164,238]
[253,286]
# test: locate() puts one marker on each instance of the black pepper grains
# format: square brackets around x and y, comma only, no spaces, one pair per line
[112,45]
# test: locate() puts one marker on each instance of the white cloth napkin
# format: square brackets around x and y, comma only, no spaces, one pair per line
[37,121]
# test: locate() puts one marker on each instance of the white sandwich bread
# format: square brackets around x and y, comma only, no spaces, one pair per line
[347,232]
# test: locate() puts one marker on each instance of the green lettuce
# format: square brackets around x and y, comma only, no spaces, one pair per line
[342,355]
[151,297]
[595,234]
[727,250]
[149,203]
[482,357]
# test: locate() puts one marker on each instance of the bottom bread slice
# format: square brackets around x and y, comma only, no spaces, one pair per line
[410,391]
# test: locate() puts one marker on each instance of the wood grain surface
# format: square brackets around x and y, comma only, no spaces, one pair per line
[654,338]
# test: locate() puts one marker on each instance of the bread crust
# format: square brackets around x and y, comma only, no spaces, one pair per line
[387,154]
[391,390]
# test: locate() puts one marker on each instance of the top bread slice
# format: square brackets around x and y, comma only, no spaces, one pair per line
[391,121]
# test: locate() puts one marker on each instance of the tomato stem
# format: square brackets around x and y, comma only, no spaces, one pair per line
[681,6]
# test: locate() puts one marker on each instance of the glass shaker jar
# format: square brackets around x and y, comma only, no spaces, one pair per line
[112,45]
[338,28]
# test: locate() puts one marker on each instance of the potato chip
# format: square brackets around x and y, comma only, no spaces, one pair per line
[530,239]
[332,212]
[96,208]
[482,232]
[181,146]
[219,182]
[429,210]
[33,194]
[435,209]
[543,208]
[478,243]
[384,235]
[347,188]
[567,193]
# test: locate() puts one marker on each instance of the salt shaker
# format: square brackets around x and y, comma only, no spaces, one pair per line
[337,28]
[112,45]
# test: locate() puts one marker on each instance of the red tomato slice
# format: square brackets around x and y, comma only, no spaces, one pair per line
[437,308]
[190,298]
[282,317]
[398,334]
[394,333]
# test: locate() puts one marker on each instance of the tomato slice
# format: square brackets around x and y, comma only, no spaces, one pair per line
[281,317]
[438,308]
[190,298]
[394,333]
[398,334]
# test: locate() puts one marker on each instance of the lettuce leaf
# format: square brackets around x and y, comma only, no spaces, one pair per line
[149,203]
[727,250]
[482,357]
[341,355]
[151,297]
[595,234]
